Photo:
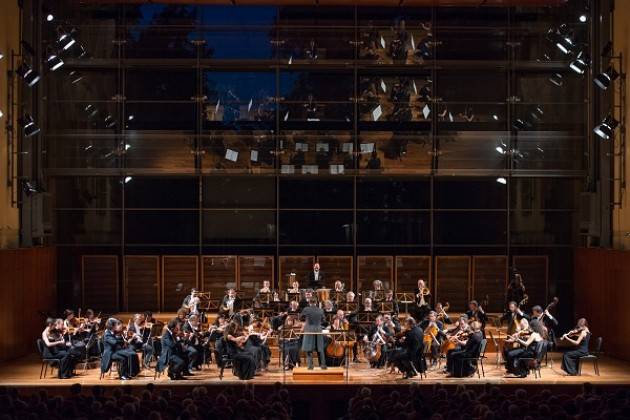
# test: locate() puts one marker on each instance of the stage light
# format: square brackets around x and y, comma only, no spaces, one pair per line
[91,111]
[583,18]
[110,122]
[1,114]
[65,40]
[1,55]
[562,37]
[75,77]
[556,79]
[28,124]
[536,113]
[519,124]
[128,179]
[30,187]
[501,150]
[131,117]
[502,180]
[495,117]
[30,76]
[127,146]
[603,80]
[54,62]
[581,62]
[606,128]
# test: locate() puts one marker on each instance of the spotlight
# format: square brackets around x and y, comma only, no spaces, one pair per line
[54,62]
[519,124]
[30,76]
[581,62]
[110,122]
[603,80]
[495,117]
[1,114]
[28,124]
[583,18]
[562,37]
[75,77]
[536,113]
[65,40]
[30,187]
[606,128]
[1,55]
[501,150]
[128,179]
[91,111]
[502,180]
[47,13]
[556,79]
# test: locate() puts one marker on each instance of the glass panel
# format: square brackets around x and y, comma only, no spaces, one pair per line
[85,192]
[316,227]
[160,43]
[88,227]
[160,84]
[316,194]
[239,192]
[395,152]
[459,227]
[393,193]
[82,152]
[143,192]
[482,85]
[538,227]
[395,98]
[400,227]
[315,152]
[545,193]
[550,87]
[81,85]
[156,227]
[88,116]
[472,150]
[470,193]
[247,43]
[472,44]
[162,14]
[549,150]
[316,45]
[179,116]
[247,227]
[159,151]
[239,151]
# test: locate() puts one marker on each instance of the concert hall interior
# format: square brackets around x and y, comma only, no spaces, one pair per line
[314,209]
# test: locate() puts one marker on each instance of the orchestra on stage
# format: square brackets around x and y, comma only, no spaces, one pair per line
[405,333]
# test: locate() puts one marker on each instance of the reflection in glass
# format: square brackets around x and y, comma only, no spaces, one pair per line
[83,152]
[387,227]
[74,227]
[397,99]
[85,192]
[238,151]
[471,150]
[313,152]
[545,193]
[395,152]
[171,152]
[246,227]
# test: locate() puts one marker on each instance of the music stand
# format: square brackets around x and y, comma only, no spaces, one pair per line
[406,298]
[386,307]
[294,296]
[348,306]
[339,296]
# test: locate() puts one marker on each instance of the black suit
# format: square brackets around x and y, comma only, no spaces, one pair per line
[461,367]
[316,284]
[114,350]
[172,355]
[313,317]
[409,358]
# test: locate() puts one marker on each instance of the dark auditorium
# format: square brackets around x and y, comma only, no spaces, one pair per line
[314,209]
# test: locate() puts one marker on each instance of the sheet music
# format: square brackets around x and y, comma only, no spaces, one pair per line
[231,155]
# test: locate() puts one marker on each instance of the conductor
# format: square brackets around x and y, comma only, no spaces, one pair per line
[316,278]
[313,317]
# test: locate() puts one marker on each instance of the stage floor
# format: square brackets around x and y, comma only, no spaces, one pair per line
[24,372]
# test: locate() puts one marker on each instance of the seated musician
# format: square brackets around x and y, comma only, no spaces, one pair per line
[304,301]
[376,337]
[92,322]
[441,313]
[521,329]
[217,328]
[460,365]
[194,342]
[244,361]
[389,298]
[115,349]
[367,305]
[140,338]
[377,285]
[455,340]
[294,307]
[290,344]
[433,333]
[350,297]
[73,328]
[513,316]
[172,356]
[258,331]
[550,323]
[329,307]
[56,347]
[92,325]
[295,285]
[408,358]
[191,301]
[339,286]
[476,313]
[528,340]
[423,299]
[579,338]
[230,303]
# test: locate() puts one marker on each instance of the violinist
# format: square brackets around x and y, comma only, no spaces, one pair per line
[295,285]
[244,361]
[194,343]
[138,338]
[408,358]
[456,339]
[512,341]
[513,316]
[258,332]
[461,364]
[56,347]
[433,334]
[514,362]
[73,329]
[290,344]
[92,322]
[172,356]
[476,313]
[579,338]
[92,325]
[114,349]
[217,328]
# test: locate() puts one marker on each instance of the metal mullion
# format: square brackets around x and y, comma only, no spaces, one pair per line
[277,274]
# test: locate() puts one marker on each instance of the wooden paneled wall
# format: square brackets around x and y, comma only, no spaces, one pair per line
[602,288]
[29,292]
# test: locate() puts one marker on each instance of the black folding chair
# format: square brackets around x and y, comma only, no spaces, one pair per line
[592,356]
[477,361]
[46,361]
[92,341]
[534,363]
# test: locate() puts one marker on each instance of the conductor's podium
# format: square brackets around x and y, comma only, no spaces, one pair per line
[332,374]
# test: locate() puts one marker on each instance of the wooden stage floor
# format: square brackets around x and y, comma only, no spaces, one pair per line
[24,372]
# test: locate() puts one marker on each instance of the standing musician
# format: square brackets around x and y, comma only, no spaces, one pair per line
[513,316]
[389,298]
[408,358]
[460,365]
[441,313]
[172,356]
[475,312]
[516,289]
[316,278]
[423,298]
[194,342]
[231,303]
[433,334]
[56,347]
[115,349]
[579,337]
[244,361]
[313,317]
[528,340]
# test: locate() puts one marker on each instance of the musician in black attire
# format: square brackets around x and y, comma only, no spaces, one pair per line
[460,367]
[516,289]
[476,313]
[115,349]
[579,337]
[316,278]
[194,343]
[409,358]
[423,301]
[436,340]
[513,316]
[141,339]
[230,304]
[56,347]
[313,318]
[244,361]
[172,355]
[550,323]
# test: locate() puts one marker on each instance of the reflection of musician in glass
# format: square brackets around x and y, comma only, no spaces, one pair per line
[313,317]
[316,278]
[516,289]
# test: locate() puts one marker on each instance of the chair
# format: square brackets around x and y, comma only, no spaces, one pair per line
[478,360]
[592,356]
[534,363]
[93,341]
[222,357]
[46,361]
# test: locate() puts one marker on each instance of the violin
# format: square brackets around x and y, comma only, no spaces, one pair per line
[574,334]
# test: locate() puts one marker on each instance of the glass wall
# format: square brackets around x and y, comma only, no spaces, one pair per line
[211,130]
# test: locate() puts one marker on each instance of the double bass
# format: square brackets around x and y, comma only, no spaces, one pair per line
[337,348]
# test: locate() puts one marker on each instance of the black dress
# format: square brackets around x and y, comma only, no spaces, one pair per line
[570,359]
[67,358]
[244,361]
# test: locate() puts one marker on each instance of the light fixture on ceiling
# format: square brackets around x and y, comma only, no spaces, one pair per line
[28,125]
[606,128]
[30,76]
[603,80]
